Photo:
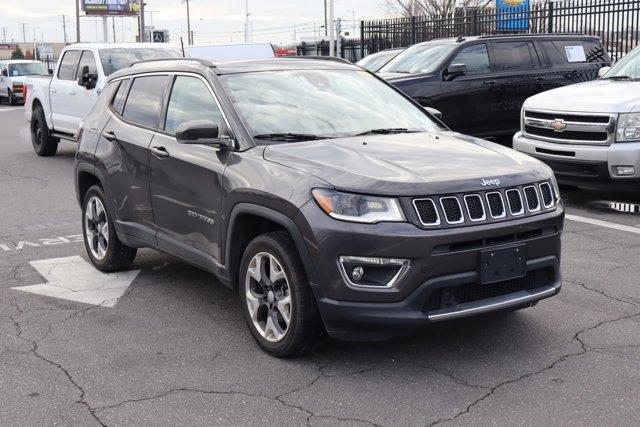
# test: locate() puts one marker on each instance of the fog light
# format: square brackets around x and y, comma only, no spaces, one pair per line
[625,170]
[372,272]
[357,273]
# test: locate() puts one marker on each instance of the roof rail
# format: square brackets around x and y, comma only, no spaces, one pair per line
[201,61]
[486,36]
[323,58]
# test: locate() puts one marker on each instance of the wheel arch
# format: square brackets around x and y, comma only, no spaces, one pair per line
[248,220]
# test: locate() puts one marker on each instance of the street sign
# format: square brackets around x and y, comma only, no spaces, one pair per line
[512,15]
[111,7]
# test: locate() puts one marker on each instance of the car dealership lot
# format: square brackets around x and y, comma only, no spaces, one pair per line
[174,349]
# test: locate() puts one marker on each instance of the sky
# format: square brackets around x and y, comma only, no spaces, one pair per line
[213,21]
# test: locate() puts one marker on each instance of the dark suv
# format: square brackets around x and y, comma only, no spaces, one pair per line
[327,198]
[480,83]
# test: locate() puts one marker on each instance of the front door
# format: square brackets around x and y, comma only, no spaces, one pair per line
[186,179]
[465,100]
[62,92]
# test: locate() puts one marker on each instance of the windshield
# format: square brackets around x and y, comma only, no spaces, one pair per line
[27,69]
[375,61]
[627,68]
[424,58]
[321,103]
[117,58]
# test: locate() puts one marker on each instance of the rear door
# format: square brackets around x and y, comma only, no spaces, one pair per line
[124,151]
[516,64]
[62,91]
[186,179]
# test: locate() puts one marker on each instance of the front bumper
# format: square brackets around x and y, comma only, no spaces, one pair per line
[415,301]
[589,166]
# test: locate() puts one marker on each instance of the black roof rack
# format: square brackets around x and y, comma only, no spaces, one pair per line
[201,61]
[486,36]
[323,58]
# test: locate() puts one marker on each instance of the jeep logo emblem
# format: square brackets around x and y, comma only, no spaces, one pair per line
[487,182]
[558,125]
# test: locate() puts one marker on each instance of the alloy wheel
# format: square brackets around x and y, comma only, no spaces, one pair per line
[268,297]
[96,226]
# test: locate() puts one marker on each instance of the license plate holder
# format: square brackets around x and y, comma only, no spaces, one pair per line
[497,265]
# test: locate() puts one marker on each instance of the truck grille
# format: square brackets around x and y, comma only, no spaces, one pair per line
[486,206]
[570,128]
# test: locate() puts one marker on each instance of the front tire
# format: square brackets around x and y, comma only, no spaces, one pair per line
[12,100]
[43,143]
[105,250]
[276,296]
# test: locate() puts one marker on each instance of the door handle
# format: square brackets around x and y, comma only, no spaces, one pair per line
[72,92]
[109,136]
[160,152]
[538,78]
[53,91]
[490,82]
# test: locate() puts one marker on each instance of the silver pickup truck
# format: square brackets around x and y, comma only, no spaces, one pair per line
[588,133]
[55,106]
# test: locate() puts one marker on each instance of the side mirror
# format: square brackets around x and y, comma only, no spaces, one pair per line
[86,78]
[5,73]
[434,112]
[455,70]
[204,132]
[602,71]
[50,71]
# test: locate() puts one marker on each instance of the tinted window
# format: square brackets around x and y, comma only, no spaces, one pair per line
[191,100]
[121,96]
[68,65]
[563,52]
[145,100]
[419,58]
[27,69]
[88,60]
[118,58]
[515,55]
[475,58]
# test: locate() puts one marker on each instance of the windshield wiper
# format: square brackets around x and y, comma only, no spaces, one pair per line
[619,78]
[290,137]
[386,131]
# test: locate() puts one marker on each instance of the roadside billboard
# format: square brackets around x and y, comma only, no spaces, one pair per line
[512,15]
[111,7]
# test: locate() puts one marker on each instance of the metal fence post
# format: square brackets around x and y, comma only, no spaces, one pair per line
[413,30]
[474,17]
[361,39]
[550,18]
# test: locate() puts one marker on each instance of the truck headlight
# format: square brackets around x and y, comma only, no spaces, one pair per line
[628,127]
[357,207]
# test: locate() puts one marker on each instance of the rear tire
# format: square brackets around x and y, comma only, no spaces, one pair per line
[43,143]
[105,250]
[276,297]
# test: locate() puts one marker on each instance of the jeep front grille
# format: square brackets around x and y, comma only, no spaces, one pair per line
[484,206]
[570,128]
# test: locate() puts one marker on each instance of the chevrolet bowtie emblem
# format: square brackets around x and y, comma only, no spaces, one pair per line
[559,125]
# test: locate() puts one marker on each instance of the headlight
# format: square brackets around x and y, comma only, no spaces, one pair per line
[628,127]
[556,188]
[358,208]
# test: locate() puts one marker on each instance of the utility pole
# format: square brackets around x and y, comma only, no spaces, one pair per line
[24,31]
[77,21]
[332,31]
[189,32]
[143,35]
[246,22]
[4,34]
[64,27]
[339,37]
[113,26]
[326,24]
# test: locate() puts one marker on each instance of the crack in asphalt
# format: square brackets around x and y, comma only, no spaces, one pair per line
[35,178]
[583,350]
[448,375]
[35,346]
[601,292]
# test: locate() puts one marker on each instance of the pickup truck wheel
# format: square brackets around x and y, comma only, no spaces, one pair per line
[276,296]
[105,250]
[43,143]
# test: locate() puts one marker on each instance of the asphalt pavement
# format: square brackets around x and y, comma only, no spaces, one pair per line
[173,349]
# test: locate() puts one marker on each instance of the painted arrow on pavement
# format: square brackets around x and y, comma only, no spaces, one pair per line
[72,278]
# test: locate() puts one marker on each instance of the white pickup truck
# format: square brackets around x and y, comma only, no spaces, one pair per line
[55,106]
[588,133]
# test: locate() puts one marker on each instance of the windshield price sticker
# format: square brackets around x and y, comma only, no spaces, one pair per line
[575,54]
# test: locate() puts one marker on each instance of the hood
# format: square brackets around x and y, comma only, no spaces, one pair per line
[17,79]
[598,96]
[409,164]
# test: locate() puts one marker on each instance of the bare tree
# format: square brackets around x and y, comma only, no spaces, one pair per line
[435,8]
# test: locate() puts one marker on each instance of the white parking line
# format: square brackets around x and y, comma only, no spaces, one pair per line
[605,224]
[2,110]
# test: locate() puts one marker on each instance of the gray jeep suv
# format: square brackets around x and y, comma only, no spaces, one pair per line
[328,199]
